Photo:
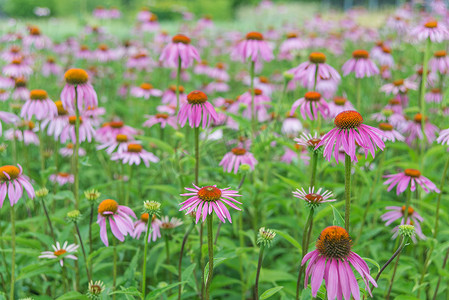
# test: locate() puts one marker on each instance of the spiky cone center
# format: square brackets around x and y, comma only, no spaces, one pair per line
[291,35]
[412,173]
[61,109]
[254,35]
[2,91]
[72,120]
[340,101]
[264,79]
[162,116]
[34,30]
[135,148]
[16,61]
[173,88]
[121,138]
[348,119]
[314,198]
[410,210]
[146,86]
[146,216]
[386,50]
[435,91]
[238,151]
[317,58]
[229,101]
[418,118]
[386,127]
[95,289]
[60,252]
[431,24]
[257,92]
[116,124]
[84,48]
[14,49]
[334,242]
[196,97]
[313,142]
[379,43]
[107,206]
[394,102]
[360,54]
[288,115]
[50,60]
[76,76]
[209,193]
[28,124]
[312,96]
[63,174]
[220,66]
[20,82]
[440,53]
[12,171]
[38,95]
[140,55]
[153,18]
[70,146]
[398,82]
[180,38]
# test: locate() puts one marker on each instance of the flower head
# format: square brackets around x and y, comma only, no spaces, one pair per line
[12,183]
[92,195]
[77,83]
[95,289]
[412,177]
[119,218]
[179,51]
[197,109]
[314,198]
[311,105]
[61,252]
[265,237]
[74,216]
[152,207]
[253,47]
[236,157]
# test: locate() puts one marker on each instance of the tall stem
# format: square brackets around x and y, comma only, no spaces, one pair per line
[197,153]
[422,103]
[358,83]
[144,267]
[253,106]
[76,150]
[440,277]
[84,252]
[437,212]
[314,166]
[13,253]
[178,82]
[41,152]
[48,219]
[347,190]
[210,246]
[181,252]
[129,185]
[305,246]
[400,248]
[259,266]
[90,233]
[167,251]
[114,268]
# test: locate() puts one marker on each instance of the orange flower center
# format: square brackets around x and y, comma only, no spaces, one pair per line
[14,49]
[394,102]
[440,53]
[436,90]
[412,173]
[34,30]
[116,124]
[314,198]
[340,101]
[254,35]
[145,216]
[59,252]
[360,54]
[173,88]
[162,116]
[121,138]
[258,92]
[76,76]
[12,171]
[146,86]
[348,119]
[291,35]
[431,24]
[153,18]
[38,95]
[72,120]
[312,96]
[107,205]
[410,210]
[418,118]
[317,58]
[180,38]
[220,65]
[63,174]
[334,242]
[264,79]
[103,47]
[196,97]
[60,107]
[134,148]
[385,49]
[20,82]
[70,146]
[398,82]
[16,61]
[314,141]
[209,193]
[386,127]
[238,151]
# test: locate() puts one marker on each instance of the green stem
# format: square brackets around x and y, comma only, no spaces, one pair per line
[90,233]
[210,246]
[167,251]
[76,150]
[305,246]
[181,252]
[437,212]
[144,267]
[41,152]
[13,253]
[83,251]
[358,83]
[253,107]
[129,185]
[48,219]
[114,269]
[178,82]
[314,166]
[440,277]
[347,190]
[259,266]
[398,251]
[197,153]
[421,98]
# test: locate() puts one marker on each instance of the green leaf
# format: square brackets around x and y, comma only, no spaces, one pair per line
[217,262]
[290,239]
[373,262]
[338,220]
[131,291]
[160,144]
[72,295]
[270,292]
[155,294]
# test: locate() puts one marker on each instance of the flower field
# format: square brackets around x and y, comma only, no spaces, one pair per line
[283,156]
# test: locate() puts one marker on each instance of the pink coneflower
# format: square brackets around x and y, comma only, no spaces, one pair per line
[414,130]
[338,105]
[291,126]
[360,64]
[418,230]
[145,90]
[67,151]
[314,198]
[169,96]
[398,212]
[412,176]
[218,72]
[119,218]
[36,39]
[24,133]
[436,32]
[384,57]
[217,87]
[300,153]
[439,62]
[291,46]
[39,105]
[350,130]
[161,118]
[7,118]
[139,61]
[62,178]
[253,47]
[202,68]
[57,123]
[17,68]
[261,104]
[210,198]
[236,157]
[140,226]
[444,137]
[170,223]
[332,260]
[389,133]
[104,53]
[51,68]
[197,109]
[119,144]
[63,251]
[14,52]
[134,155]
[310,105]
[308,140]
[12,183]
[151,24]
[86,131]
[110,130]
[434,96]
[179,50]
[398,86]
[86,94]
[20,89]
[84,52]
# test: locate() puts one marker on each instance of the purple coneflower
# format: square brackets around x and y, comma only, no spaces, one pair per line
[436,32]
[65,250]
[134,155]
[7,118]
[439,62]
[17,68]
[444,137]
[412,177]
[434,96]
[86,132]
[62,178]
[67,151]
[253,47]
[197,109]
[360,64]
[119,218]
[389,133]
[414,130]
[140,226]
[145,90]
[210,198]
[179,50]
[236,157]
[120,144]
[39,105]
[161,118]
[338,105]
[110,130]
[314,198]
[398,86]
[12,183]
[86,94]
[310,105]
[291,126]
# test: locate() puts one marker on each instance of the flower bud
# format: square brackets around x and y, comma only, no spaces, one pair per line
[42,192]
[92,195]
[74,216]
[265,236]
[407,231]
[152,207]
